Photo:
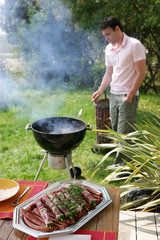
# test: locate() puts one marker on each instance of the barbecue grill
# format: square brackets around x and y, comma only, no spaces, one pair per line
[58,136]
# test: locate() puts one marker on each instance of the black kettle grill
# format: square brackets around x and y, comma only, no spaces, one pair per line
[58,136]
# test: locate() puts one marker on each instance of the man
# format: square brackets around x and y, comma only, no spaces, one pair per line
[125,72]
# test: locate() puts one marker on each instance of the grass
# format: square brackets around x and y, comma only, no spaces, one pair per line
[20,155]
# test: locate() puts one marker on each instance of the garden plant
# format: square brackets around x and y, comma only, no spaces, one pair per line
[140,176]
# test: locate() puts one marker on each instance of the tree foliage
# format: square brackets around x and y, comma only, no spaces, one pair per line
[140,19]
[61,39]
[53,47]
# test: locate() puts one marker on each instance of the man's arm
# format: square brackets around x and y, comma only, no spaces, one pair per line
[140,70]
[104,84]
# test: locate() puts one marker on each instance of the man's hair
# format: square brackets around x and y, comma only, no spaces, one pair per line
[111,22]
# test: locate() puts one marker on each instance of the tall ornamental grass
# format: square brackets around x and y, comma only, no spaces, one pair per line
[142,172]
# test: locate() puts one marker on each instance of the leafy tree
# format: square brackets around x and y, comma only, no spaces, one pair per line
[14,13]
[61,39]
[54,49]
[140,19]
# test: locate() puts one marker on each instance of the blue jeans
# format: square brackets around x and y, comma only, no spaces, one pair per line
[123,116]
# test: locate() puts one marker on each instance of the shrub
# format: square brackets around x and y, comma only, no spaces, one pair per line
[142,173]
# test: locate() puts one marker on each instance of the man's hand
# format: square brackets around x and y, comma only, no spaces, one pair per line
[96,95]
[128,98]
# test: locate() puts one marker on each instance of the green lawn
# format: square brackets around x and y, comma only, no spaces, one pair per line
[20,155]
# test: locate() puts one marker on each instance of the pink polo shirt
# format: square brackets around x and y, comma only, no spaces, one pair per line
[122,60]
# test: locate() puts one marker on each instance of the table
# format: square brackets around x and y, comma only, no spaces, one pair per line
[106,220]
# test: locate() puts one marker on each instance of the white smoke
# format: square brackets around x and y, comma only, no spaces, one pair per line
[58,46]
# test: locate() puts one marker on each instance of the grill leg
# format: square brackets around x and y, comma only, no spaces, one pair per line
[74,171]
[67,165]
[41,165]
